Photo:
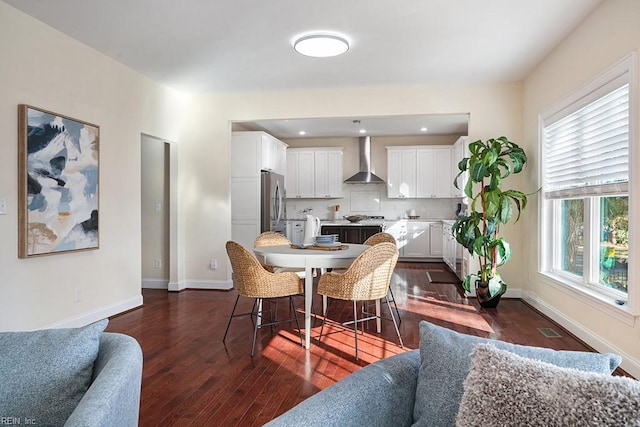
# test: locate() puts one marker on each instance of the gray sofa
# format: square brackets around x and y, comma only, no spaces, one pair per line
[113,398]
[422,387]
[71,377]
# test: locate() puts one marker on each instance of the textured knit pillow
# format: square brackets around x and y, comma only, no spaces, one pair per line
[445,363]
[507,390]
[44,374]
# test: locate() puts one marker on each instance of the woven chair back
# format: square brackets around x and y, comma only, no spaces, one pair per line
[253,281]
[381,237]
[366,279]
[271,238]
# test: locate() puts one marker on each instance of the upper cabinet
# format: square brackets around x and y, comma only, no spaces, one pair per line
[300,178]
[460,151]
[420,172]
[401,172]
[252,152]
[434,173]
[314,173]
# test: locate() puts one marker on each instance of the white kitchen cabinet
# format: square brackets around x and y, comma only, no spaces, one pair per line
[252,152]
[314,173]
[300,177]
[434,173]
[459,152]
[454,255]
[449,246]
[401,172]
[295,232]
[419,172]
[415,238]
[328,173]
[436,247]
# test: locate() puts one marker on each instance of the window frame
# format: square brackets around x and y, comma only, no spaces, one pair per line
[549,224]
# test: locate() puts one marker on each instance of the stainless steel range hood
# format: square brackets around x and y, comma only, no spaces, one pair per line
[364,176]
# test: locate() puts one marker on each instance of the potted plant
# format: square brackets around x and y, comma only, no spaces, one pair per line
[489,164]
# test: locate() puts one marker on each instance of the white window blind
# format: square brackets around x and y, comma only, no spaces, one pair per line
[587,151]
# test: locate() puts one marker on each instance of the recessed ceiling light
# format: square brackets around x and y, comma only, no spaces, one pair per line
[423,129]
[362,131]
[321,45]
[302,132]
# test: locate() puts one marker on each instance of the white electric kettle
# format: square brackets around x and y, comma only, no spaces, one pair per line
[311,229]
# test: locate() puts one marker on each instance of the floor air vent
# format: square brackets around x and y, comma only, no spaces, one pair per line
[549,333]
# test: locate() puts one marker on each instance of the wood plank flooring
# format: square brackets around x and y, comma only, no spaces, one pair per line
[192,378]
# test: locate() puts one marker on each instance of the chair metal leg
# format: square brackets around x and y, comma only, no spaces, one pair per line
[255,329]
[230,317]
[355,326]
[395,305]
[394,322]
[324,319]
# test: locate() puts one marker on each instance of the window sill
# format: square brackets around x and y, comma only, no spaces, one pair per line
[604,303]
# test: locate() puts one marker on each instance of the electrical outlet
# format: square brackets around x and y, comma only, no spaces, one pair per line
[158,206]
[158,263]
[214,264]
[3,206]
[78,295]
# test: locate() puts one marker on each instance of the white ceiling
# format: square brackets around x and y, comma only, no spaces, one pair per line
[246,45]
[436,124]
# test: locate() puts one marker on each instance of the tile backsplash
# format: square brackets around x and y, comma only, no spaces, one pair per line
[371,199]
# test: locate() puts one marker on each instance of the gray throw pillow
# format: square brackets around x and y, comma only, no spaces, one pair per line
[445,363]
[507,390]
[44,374]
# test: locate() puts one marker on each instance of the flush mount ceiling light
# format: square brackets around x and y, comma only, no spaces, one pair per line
[321,45]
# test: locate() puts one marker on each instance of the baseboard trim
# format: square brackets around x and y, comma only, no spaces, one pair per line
[629,364]
[219,285]
[155,284]
[99,314]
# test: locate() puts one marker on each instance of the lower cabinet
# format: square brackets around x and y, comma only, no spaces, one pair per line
[417,239]
[435,240]
[295,231]
[351,233]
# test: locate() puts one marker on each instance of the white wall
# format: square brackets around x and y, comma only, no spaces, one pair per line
[49,70]
[607,35]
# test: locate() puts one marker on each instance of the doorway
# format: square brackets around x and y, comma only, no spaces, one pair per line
[155,212]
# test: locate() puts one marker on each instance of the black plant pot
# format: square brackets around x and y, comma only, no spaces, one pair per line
[484,299]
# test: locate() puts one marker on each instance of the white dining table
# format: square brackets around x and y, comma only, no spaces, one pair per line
[309,258]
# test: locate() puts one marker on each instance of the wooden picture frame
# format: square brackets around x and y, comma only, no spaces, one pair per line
[58,178]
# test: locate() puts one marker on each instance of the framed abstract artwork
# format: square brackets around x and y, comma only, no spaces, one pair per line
[58,178]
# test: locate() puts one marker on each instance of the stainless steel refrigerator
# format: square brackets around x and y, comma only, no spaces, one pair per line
[273,206]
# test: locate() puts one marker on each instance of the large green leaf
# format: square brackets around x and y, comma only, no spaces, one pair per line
[506,210]
[468,189]
[477,171]
[495,285]
[489,157]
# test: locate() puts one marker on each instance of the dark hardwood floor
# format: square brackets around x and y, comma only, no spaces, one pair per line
[192,378]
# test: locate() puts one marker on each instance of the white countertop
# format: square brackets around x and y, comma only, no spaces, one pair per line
[344,222]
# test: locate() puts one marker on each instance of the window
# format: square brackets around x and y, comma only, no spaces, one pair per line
[585,192]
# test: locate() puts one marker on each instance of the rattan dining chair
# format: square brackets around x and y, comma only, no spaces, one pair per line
[367,279]
[253,281]
[272,238]
[383,237]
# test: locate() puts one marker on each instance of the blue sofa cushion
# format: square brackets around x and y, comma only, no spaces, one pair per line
[445,362]
[44,374]
[504,389]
